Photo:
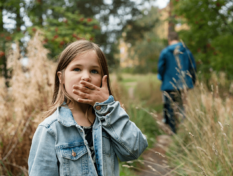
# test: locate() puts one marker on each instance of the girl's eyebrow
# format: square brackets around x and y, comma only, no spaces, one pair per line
[79,65]
[96,66]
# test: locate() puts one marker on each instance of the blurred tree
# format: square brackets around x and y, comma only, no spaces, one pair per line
[122,13]
[65,21]
[9,35]
[60,26]
[70,27]
[146,45]
[210,36]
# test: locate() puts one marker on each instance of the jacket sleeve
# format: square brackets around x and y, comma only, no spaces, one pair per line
[192,66]
[128,140]
[42,158]
[161,64]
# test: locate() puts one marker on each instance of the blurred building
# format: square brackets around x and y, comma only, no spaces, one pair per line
[126,61]
[163,28]
[162,31]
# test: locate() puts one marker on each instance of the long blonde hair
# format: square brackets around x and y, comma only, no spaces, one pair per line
[68,54]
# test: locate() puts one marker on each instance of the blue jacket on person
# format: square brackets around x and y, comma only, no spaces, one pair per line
[176,68]
[59,147]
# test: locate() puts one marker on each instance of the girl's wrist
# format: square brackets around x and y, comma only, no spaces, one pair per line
[98,105]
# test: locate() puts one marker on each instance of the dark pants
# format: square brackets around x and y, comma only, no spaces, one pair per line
[173,108]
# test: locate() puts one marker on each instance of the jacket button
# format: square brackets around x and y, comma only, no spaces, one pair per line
[98,107]
[73,154]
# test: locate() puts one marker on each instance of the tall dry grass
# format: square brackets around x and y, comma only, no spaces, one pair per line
[21,105]
[204,143]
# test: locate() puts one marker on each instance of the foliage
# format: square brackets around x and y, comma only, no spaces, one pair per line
[210,34]
[146,22]
[141,110]
[59,18]
[147,53]
[123,13]
[9,35]
[125,171]
[145,122]
[61,26]
[145,45]
[146,99]
[13,7]
[150,95]
[82,14]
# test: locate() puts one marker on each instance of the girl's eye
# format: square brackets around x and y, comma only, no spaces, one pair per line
[94,71]
[76,69]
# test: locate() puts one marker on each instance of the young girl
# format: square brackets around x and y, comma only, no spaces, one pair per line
[86,130]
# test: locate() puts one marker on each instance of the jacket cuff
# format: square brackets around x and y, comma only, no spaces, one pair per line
[101,108]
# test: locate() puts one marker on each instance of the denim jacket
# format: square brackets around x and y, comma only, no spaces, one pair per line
[59,146]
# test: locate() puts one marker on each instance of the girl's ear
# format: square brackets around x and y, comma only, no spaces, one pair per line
[59,74]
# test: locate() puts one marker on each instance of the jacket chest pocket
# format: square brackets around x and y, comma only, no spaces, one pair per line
[75,160]
[106,143]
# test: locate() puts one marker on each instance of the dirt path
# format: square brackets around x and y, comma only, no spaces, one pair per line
[131,89]
[155,163]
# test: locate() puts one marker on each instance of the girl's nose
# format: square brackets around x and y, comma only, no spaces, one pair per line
[86,77]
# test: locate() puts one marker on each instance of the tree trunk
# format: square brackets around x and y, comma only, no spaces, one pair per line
[5,71]
[41,10]
[18,18]
[171,25]
[19,22]
[1,16]
[4,60]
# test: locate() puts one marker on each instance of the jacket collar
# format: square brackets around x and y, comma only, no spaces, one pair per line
[65,117]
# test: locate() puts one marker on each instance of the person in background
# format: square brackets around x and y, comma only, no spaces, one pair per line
[176,70]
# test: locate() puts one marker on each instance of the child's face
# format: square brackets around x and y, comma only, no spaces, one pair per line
[83,67]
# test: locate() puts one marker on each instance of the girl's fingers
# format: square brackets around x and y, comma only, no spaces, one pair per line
[89,85]
[83,95]
[104,81]
[83,89]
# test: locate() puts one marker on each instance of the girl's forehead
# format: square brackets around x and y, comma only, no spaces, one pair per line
[88,56]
